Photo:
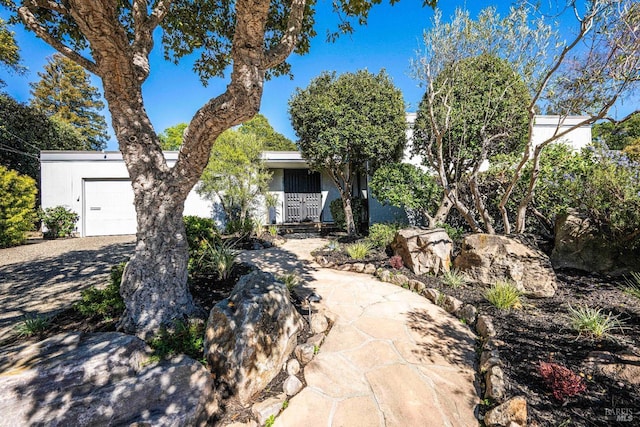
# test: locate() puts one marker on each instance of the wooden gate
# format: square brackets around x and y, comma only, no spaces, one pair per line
[303,197]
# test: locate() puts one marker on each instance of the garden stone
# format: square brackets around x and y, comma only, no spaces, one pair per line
[292,385]
[487,259]
[369,269]
[251,334]
[344,267]
[424,250]
[580,245]
[358,267]
[385,276]
[76,379]
[318,323]
[304,353]
[451,304]
[512,411]
[265,409]
[488,359]
[315,340]
[399,279]
[468,313]
[293,367]
[619,367]
[484,326]
[250,423]
[432,295]
[494,380]
[416,285]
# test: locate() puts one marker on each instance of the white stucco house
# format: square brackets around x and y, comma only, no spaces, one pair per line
[96,185]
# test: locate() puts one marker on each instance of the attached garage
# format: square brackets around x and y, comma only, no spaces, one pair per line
[97,187]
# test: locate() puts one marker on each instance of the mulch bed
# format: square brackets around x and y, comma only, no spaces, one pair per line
[539,332]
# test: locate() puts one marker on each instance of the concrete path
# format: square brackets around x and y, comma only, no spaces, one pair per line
[391,359]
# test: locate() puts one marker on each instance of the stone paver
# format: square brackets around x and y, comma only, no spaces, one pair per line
[392,357]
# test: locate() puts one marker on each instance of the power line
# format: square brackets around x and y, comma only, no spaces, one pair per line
[14,150]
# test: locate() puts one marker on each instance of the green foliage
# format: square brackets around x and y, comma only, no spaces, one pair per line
[65,93]
[17,207]
[33,325]
[454,279]
[270,421]
[618,136]
[183,338]
[171,137]
[104,303]
[406,186]
[236,175]
[358,250]
[273,230]
[199,230]
[454,233]
[271,140]
[218,259]
[291,280]
[504,295]
[593,322]
[337,212]
[382,234]
[632,285]
[24,131]
[349,124]
[9,51]
[59,221]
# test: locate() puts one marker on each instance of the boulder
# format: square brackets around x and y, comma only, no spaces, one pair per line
[250,335]
[513,411]
[484,326]
[489,258]
[318,323]
[305,352]
[76,379]
[451,304]
[424,250]
[580,245]
[272,406]
[494,383]
[293,367]
[619,367]
[292,385]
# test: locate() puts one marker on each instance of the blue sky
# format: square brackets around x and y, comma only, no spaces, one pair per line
[173,93]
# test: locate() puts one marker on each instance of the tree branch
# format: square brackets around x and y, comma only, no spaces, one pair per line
[31,21]
[50,5]
[289,39]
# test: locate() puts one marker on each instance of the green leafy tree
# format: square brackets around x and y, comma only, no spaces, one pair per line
[64,92]
[25,131]
[17,206]
[171,138]
[406,186]
[249,40]
[618,135]
[271,140]
[9,51]
[236,175]
[349,125]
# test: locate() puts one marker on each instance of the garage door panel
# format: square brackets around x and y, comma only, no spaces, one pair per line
[108,208]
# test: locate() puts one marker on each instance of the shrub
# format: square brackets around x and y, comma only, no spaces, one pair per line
[291,280]
[273,230]
[199,229]
[593,322]
[237,226]
[184,338]
[504,295]
[381,235]
[33,325]
[358,250]
[17,206]
[454,233]
[59,221]
[396,262]
[218,259]
[453,278]
[106,303]
[561,381]
[337,212]
[632,285]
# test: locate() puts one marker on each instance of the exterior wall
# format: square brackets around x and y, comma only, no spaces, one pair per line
[329,194]
[276,189]
[63,174]
[546,126]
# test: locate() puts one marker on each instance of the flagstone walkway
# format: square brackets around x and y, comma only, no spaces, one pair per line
[392,357]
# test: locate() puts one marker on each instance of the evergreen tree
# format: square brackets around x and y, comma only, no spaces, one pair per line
[64,92]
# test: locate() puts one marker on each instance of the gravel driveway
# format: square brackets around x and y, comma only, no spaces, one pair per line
[46,276]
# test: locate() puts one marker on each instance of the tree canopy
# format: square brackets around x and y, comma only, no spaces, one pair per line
[64,92]
[618,135]
[271,140]
[171,138]
[9,50]
[349,124]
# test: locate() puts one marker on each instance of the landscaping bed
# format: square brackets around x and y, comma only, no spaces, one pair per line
[540,331]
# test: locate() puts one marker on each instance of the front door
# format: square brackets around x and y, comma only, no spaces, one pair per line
[303,197]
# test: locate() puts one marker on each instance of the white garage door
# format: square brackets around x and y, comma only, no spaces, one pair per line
[108,208]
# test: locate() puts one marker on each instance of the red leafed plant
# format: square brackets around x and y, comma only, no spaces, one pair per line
[562,382]
[396,262]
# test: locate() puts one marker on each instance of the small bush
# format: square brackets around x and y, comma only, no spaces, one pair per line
[217,259]
[358,250]
[59,222]
[106,303]
[273,230]
[632,285]
[199,229]
[396,262]
[237,226]
[333,246]
[453,279]
[454,233]
[290,280]
[337,212]
[33,325]
[381,235]
[504,295]
[561,381]
[183,338]
[17,206]
[592,322]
